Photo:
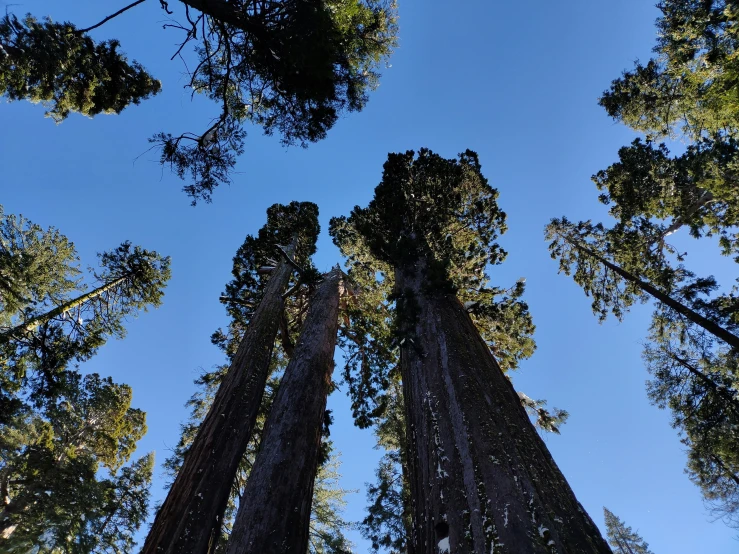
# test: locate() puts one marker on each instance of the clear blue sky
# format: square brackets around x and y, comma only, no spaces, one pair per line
[518,83]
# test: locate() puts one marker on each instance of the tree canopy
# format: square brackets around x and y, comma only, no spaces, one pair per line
[291,67]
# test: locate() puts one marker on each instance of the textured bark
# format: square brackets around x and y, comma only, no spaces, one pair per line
[190,518]
[481,478]
[274,512]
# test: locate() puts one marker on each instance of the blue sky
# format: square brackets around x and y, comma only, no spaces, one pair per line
[516,82]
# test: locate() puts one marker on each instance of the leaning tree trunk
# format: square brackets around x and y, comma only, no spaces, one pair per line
[713,328]
[482,481]
[190,519]
[39,320]
[274,512]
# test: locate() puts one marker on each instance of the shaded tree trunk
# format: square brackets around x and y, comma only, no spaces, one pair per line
[190,519]
[274,512]
[482,481]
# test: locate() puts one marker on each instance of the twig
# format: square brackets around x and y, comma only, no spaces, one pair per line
[116,14]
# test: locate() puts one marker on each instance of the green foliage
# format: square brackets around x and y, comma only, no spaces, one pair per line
[288,226]
[50,330]
[688,91]
[388,518]
[549,421]
[446,212]
[445,207]
[697,378]
[34,264]
[291,67]
[57,65]
[578,248]
[696,189]
[61,470]
[622,538]
[691,83]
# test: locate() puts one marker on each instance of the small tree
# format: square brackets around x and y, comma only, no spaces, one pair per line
[622,538]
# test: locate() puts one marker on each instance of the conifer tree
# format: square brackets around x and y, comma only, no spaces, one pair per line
[34,264]
[49,330]
[622,538]
[697,378]
[190,518]
[61,471]
[434,223]
[684,92]
[275,509]
[583,250]
[290,66]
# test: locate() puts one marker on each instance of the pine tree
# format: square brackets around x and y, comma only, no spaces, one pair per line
[48,329]
[622,538]
[62,67]
[697,378]
[34,264]
[685,92]
[190,518]
[285,466]
[434,223]
[290,66]
[61,471]
[587,248]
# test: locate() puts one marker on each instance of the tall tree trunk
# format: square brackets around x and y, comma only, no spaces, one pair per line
[39,320]
[713,328]
[274,512]
[191,517]
[482,481]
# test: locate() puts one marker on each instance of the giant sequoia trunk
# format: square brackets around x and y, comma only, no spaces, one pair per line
[190,518]
[274,512]
[482,481]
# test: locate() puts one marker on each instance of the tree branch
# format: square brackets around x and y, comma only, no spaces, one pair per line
[116,14]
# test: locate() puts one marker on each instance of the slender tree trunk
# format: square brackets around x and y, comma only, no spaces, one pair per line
[274,512]
[705,198]
[716,330]
[190,519]
[482,481]
[39,320]
[708,382]
[623,546]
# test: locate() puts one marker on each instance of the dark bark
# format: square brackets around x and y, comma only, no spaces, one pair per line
[190,519]
[716,330]
[482,481]
[274,512]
